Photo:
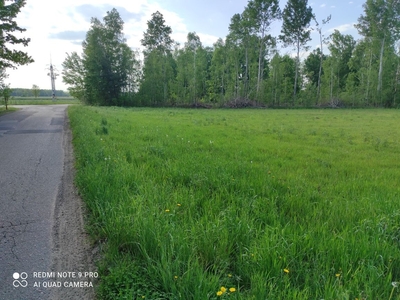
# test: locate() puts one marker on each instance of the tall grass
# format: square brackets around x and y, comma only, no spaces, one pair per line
[272,204]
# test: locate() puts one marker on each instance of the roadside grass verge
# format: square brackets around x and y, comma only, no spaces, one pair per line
[242,204]
[4,111]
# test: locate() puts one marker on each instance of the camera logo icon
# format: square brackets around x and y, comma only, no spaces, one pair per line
[20,279]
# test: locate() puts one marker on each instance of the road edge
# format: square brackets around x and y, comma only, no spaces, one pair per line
[71,248]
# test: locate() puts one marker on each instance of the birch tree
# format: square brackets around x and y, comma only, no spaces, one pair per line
[296,30]
[262,13]
[380,23]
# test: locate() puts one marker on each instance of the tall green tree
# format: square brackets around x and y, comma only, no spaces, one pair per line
[35,90]
[312,67]
[341,48]
[106,61]
[238,45]
[281,79]
[296,30]
[5,91]
[158,60]
[241,46]
[322,40]
[192,46]
[73,75]
[380,24]
[157,35]
[261,14]
[12,58]
[218,73]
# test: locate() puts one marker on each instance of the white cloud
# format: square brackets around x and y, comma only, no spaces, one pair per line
[342,28]
[322,5]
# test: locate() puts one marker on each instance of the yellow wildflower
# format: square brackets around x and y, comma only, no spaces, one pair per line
[232,290]
[286,271]
[337,274]
[219,293]
[167,210]
[223,289]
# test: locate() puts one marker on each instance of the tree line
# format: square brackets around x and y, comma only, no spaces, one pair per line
[37,92]
[247,67]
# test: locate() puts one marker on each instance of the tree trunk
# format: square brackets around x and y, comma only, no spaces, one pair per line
[297,71]
[319,82]
[396,82]
[368,77]
[320,71]
[246,87]
[259,64]
[381,70]
[331,85]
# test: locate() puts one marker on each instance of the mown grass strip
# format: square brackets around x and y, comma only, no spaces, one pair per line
[277,204]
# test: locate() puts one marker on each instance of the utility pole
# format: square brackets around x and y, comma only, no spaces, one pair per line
[53,77]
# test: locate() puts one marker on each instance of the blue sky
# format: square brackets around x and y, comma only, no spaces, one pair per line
[57,27]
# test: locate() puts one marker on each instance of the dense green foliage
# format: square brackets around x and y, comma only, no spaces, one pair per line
[246,68]
[278,204]
[103,75]
[11,58]
[22,92]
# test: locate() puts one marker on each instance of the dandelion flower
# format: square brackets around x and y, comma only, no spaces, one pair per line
[175,277]
[337,274]
[179,204]
[219,293]
[167,210]
[223,289]
[232,290]
[286,271]
[229,275]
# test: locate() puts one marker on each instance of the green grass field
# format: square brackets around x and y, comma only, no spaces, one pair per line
[242,204]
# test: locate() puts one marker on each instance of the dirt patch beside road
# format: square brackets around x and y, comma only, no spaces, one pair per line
[72,251]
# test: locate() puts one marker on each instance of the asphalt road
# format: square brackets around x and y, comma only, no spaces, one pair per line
[31,168]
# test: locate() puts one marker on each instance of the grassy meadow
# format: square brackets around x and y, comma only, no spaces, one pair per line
[242,204]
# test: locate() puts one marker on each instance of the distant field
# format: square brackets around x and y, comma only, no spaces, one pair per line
[42,100]
[242,204]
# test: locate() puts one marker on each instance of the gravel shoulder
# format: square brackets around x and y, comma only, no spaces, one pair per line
[72,250]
